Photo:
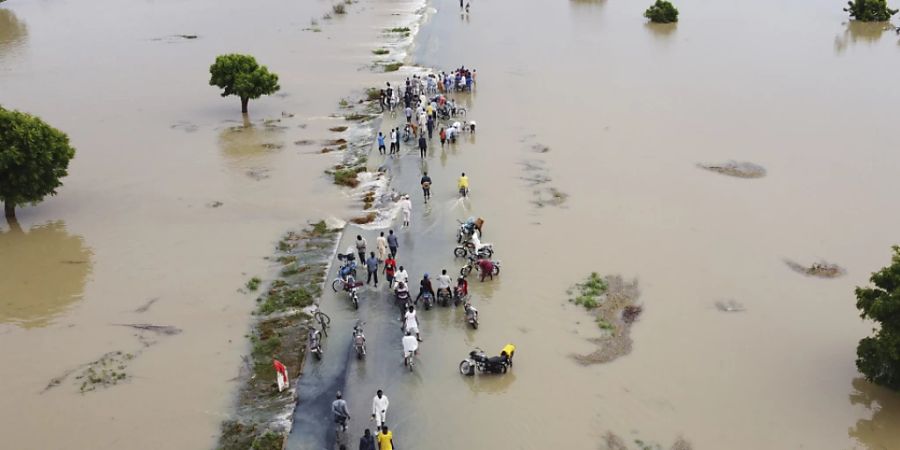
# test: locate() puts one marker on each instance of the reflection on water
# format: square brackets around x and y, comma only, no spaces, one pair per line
[248,139]
[13,34]
[879,430]
[490,383]
[661,30]
[45,274]
[860,32]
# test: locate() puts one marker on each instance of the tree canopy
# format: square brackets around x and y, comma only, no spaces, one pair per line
[878,356]
[870,10]
[33,158]
[242,76]
[662,12]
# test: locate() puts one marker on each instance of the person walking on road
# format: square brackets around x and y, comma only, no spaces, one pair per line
[426,186]
[385,439]
[367,441]
[340,412]
[406,208]
[392,243]
[372,267]
[361,249]
[381,144]
[423,145]
[390,267]
[381,245]
[380,405]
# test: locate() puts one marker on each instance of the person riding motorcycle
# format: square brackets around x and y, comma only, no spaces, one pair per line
[425,286]
[444,282]
[463,185]
[401,290]
[462,287]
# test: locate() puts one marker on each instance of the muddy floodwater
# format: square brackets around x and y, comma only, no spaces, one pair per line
[591,127]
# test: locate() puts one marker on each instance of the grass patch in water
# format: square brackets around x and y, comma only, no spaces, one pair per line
[346,177]
[392,67]
[253,284]
[357,117]
[373,94]
[338,129]
[362,220]
[398,30]
[588,293]
[339,8]
[381,51]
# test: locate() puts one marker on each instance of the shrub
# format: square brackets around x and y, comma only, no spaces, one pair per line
[878,356]
[870,10]
[662,12]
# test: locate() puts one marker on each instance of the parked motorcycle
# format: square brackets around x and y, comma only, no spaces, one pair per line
[359,340]
[473,264]
[315,343]
[469,249]
[471,315]
[479,361]
[466,230]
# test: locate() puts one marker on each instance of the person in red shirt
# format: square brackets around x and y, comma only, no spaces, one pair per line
[487,268]
[462,287]
[281,375]
[390,266]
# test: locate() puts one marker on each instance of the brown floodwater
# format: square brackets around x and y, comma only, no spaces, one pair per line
[627,110]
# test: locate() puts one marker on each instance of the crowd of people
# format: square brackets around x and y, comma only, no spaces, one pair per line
[424,103]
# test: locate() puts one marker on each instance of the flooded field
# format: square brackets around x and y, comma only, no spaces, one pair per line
[592,126]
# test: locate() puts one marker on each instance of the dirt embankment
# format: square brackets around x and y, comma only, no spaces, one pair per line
[262,419]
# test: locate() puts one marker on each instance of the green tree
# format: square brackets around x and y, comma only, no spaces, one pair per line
[878,356]
[870,10]
[662,12]
[33,158]
[240,75]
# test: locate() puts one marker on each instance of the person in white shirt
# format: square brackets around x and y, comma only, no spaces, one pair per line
[411,322]
[402,276]
[444,282]
[410,346]
[380,405]
[406,208]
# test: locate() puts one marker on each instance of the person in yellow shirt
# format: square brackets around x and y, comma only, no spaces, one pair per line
[385,439]
[463,185]
[508,351]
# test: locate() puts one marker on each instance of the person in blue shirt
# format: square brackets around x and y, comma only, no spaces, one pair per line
[372,267]
[380,143]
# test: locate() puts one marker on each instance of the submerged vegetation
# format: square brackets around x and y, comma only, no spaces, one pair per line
[870,10]
[613,303]
[339,8]
[392,67]
[662,11]
[381,51]
[878,356]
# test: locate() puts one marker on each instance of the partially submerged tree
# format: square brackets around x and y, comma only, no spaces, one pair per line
[33,158]
[240,75]
[870,10]
[662,12]
[878,356]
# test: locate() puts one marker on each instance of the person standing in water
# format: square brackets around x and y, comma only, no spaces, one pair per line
[340,412]
[361,249]
[372,268]
[406,208]
[463,185]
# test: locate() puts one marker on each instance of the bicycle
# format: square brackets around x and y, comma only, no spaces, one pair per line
[323,320]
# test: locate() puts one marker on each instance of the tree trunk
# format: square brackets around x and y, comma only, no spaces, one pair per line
[10,209]
[244,101]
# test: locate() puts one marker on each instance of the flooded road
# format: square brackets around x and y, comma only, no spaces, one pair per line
[625,110]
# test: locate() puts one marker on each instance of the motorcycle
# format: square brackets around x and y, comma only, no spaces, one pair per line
[349,265]
[466,231]
[473,263]
[443,296]
[354,296]
[471,315]
[345,283]
[359,340]
[427,300]
[475,247]
[315,343]
[479,361]
[402,298]
[459,296]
